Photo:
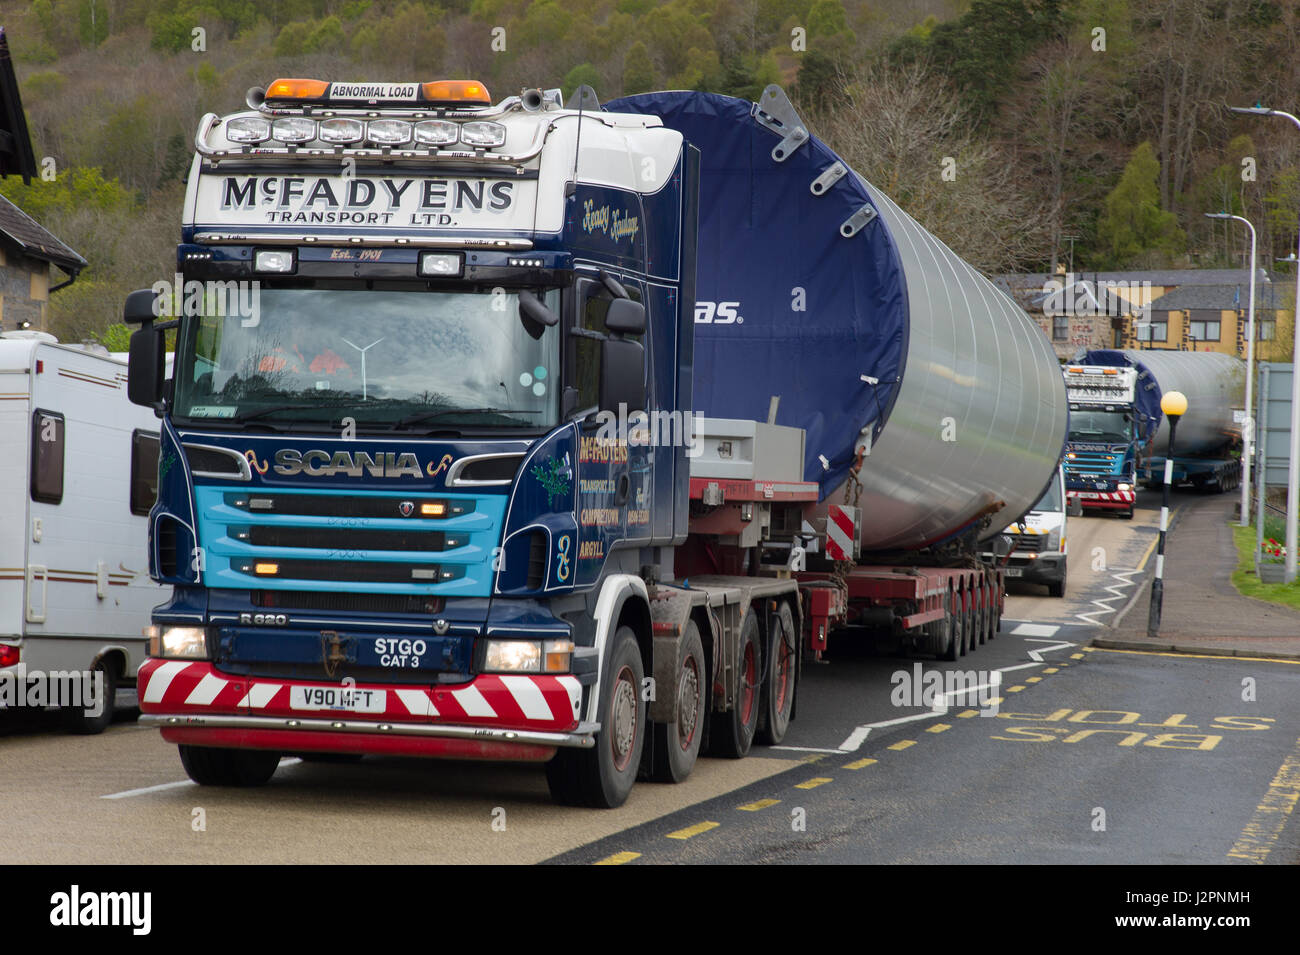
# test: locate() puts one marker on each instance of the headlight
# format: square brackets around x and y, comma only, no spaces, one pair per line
[482,134]
[1126,487]
[389,132]
[190,643]
[295,129]
[436,132]
[248,129]
[342,131]
[528,656]
[1054,541]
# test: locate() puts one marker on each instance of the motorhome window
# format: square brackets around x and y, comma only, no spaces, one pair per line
[47,456]
[594,301]
[387,358]
[144,471]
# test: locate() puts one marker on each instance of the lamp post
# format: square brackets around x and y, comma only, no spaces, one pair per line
[1293,466]
[1248,426]
[1174,406]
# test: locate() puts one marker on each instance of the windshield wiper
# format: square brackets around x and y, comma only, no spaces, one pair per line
[444,412]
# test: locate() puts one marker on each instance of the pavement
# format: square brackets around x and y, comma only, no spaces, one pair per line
[1202,612]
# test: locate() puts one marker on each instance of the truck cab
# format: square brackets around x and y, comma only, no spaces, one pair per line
[1103,441]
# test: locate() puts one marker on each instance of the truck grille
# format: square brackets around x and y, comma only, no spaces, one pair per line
[1029,543]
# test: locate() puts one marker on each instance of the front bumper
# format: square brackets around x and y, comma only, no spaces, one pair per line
[1040,569]
[1108,500]
[492,716]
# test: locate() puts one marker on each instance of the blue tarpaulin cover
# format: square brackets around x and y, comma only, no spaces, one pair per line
[810,312]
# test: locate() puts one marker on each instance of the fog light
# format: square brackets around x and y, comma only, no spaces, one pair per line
[436,132]
[483,134]
[273,260]
[294,130]
[342,131]
[248,129]
[440,263]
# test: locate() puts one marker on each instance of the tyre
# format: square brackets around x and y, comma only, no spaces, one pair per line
[1126,515]
[972,641]
[209,766]
[956,629]
[782,675]
[603,776]
[982,617]
[77,720]
[1056,588]
[336,758]
[732,733]
[677,744]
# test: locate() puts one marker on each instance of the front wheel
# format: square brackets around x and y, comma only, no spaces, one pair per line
[603,776]
[84,724]
[209,766]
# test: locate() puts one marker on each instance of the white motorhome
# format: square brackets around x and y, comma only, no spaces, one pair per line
[77,479]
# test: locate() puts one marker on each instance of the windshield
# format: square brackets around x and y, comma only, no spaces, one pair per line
[1051,501]
[1099,426]
[415,359]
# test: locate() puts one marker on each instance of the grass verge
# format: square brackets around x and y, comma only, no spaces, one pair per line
[1244,579]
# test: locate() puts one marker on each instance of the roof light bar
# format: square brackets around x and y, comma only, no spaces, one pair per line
[445,93]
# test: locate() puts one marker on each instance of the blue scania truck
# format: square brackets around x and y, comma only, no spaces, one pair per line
[514,431]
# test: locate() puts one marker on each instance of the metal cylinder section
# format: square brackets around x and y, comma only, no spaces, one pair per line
[815,288]
[981,412]
[1213,383]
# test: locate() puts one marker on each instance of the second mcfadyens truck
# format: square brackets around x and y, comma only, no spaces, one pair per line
[433,476]
[1101,456]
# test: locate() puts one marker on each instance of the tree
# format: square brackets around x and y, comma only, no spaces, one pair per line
[583,74]
[1134,230]
[638,71]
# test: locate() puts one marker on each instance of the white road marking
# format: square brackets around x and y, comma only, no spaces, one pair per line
[1118,590]
[177,785]
[1038,654]
[1035,630]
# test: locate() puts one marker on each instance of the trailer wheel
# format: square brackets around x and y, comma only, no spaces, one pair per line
[782,673]
[953,621]
[677,744]
[77,720]
[209,766]
[732,733]
[970,641]
[603,776]
[982,616]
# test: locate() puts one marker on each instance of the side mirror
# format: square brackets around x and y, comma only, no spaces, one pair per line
[622,375]
[140,308]
[535,314]
[1002,546]
[144,373]
[625,317]
[1074,508]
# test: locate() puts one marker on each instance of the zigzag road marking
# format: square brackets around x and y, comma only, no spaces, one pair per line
[1119,592]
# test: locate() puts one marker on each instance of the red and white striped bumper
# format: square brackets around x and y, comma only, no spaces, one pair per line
[1120,500]
[493,716]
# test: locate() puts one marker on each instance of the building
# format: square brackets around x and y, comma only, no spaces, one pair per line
[1180,309]
[29,253]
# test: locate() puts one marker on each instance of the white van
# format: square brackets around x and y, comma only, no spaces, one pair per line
[1038,541]
[77,479]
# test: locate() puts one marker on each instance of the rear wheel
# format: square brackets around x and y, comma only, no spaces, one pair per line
[209,766]
[603,776]
[732,733]
[782,671]
[956,628]
[677,744]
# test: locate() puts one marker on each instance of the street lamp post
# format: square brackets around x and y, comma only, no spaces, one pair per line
[1248,426]
[1174,406]
[1293,466]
